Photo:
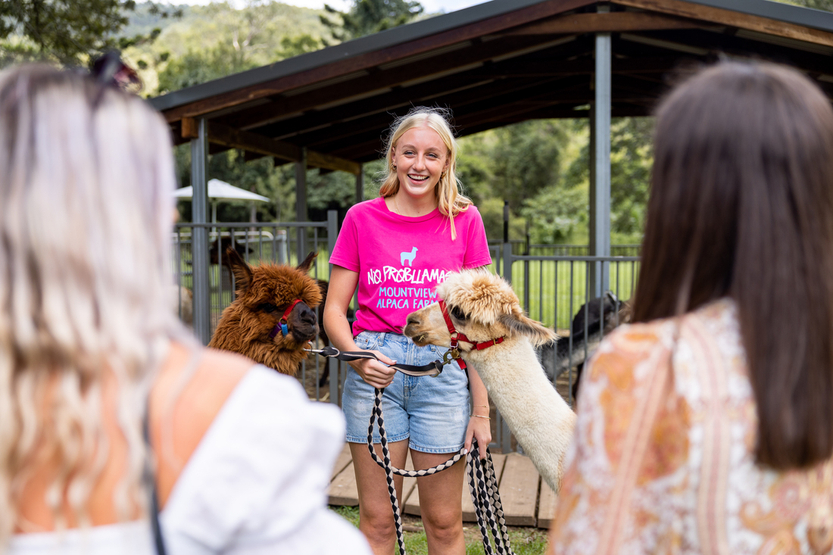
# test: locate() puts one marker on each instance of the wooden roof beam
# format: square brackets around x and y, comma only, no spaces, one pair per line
[329,138]
[230,137]
[385,102]
[380,81]
[718,16]
[613,22]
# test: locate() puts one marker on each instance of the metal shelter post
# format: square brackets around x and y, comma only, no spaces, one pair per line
[600,116]
[504,434]
[301,202]
[332,234]
[199,237]
[360,185]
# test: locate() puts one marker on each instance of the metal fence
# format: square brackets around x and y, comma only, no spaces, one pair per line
[555,284]
[566,293]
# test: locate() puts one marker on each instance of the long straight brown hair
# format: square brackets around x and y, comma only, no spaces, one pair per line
[741,205]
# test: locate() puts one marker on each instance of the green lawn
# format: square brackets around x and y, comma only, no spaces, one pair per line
[524,541]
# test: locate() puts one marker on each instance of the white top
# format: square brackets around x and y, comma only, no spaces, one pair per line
[257,483]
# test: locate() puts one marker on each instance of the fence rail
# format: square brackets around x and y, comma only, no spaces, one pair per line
[557,285]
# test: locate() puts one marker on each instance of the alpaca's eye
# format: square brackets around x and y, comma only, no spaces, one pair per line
[459,314]
[268,307]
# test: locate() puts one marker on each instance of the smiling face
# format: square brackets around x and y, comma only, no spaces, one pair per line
[420,157]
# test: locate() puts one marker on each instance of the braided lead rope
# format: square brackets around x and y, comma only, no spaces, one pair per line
[390,470]
[478,502]
[377,413]
[487,499]
[387,466]
[496,502]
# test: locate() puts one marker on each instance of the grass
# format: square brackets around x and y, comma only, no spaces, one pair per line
[553,291]
[524,541]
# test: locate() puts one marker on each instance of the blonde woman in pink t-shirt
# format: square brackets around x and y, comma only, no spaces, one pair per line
[394,250]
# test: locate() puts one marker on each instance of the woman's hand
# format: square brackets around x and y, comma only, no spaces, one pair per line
[377,373]
[480,428]
[342,285]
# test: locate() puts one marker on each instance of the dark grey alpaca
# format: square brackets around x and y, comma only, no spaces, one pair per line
[595,319]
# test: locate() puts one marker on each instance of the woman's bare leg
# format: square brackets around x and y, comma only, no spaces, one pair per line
[440,502]
[375,513]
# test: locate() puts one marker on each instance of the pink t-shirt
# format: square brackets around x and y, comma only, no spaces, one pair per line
[400,260]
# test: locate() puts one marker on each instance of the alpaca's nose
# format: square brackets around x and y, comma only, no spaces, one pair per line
[307,316]
[412,320]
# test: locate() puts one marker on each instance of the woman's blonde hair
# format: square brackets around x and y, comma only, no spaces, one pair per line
[85,281]
[450,200]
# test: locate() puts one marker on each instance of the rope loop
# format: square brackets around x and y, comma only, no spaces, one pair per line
[481,478]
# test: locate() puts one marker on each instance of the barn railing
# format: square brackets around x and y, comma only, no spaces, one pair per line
[556,289]
[208,275]
[581,297]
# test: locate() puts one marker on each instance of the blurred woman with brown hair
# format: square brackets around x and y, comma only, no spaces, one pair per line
[707,426]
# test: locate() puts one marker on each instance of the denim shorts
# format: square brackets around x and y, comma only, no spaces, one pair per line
[432,412]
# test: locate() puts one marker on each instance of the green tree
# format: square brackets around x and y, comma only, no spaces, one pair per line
[70,32]
[217,40]
[197,67]
[826,5]
[526,158]
[366,17]
[259,176]
[631,159]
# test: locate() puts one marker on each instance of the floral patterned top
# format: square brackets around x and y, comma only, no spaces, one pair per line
[662,461]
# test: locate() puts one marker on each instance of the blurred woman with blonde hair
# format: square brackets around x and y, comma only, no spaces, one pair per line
[89,349]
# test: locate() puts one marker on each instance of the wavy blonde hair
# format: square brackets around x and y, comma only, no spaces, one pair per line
[85,283]
[450,200]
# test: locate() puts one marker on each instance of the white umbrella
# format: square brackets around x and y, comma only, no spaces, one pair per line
[221,190]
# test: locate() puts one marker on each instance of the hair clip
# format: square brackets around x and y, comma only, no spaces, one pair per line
[110,71]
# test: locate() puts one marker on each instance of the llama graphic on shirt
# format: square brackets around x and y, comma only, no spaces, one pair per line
[407,256]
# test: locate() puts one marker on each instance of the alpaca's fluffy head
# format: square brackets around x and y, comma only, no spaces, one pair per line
[482,306]
[263,293]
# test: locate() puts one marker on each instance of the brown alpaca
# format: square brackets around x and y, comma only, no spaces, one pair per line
[251,324]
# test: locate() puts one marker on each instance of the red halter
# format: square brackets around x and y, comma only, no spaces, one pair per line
[457,336]
[282,325]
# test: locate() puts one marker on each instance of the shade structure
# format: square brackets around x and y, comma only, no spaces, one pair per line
[221,190]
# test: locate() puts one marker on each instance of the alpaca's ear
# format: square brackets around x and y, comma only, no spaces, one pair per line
[307,263]
[535,331]
[242,272]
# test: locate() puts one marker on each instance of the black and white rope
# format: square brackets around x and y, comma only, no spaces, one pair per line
[377,413]
[486,499]
[484,489]
[485,495]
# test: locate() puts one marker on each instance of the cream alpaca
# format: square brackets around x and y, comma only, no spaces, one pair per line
[483,306]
